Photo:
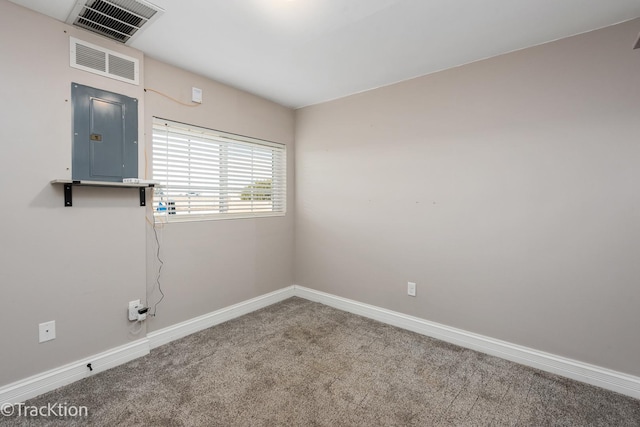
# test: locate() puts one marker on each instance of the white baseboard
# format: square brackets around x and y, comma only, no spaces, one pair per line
[41,383]
[179,330]
[576,370]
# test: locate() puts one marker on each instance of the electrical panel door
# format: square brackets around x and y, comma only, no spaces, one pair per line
[105,134]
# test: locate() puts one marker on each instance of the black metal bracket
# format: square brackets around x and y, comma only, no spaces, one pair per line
[68,199]
[143,199]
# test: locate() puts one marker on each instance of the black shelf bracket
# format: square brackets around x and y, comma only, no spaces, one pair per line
[143,199]
[68,198]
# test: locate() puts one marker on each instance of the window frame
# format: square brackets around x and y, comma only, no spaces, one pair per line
[224,140]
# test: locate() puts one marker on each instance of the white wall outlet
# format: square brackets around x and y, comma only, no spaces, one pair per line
[47,331]
[196,95]
[133,309]
[411,289]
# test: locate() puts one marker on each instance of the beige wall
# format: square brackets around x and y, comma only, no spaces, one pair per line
[213,264]
[507,189]
[80,266]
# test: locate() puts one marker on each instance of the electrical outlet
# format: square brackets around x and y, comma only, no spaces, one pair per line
[411,289]
[196,95]
[47,331]
[133,309]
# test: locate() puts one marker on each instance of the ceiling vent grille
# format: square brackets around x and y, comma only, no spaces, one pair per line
[98,60]
[118,20]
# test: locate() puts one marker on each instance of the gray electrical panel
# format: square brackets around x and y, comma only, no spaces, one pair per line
[105,135]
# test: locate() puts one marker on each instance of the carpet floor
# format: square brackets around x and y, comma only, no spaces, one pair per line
[300,363]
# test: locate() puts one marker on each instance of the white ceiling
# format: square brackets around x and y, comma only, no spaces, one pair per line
[303,52]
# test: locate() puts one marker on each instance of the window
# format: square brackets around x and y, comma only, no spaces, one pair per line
[207,174]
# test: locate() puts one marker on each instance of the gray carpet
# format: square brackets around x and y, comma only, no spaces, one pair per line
[299,363]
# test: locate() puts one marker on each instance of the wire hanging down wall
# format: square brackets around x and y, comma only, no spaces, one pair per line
[158,283]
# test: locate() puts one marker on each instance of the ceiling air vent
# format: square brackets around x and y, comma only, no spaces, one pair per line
[98,60]
[118,20]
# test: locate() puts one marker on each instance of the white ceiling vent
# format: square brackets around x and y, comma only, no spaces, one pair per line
[98,60]
[118,20]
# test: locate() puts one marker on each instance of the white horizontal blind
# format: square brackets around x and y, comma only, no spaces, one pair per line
[206,174]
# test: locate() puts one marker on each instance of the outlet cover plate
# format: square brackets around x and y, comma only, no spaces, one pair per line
[196,95]
[133,309]
[411,289]
[47,331]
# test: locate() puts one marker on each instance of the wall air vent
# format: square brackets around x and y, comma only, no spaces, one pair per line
[118,20]
[98,60]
